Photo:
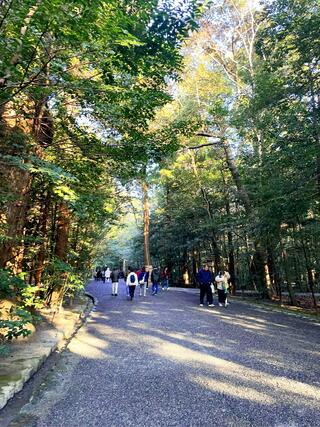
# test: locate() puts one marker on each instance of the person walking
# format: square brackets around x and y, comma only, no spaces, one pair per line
[107,274]
[222,280]
[114,281]
[165,279]
[103,275]
[142,282]
[132,282]
[149,277]
[155,281]
[98,275]
[205,278]
[121,276]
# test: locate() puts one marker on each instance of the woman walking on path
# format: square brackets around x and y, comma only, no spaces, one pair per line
[142,282]
[132,282]
[222,280]
[205,278]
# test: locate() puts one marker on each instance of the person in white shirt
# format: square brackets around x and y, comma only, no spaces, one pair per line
[108,274]
[132,282]
[222,280]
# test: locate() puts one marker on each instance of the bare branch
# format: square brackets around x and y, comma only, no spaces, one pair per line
[208,144]
[207,135]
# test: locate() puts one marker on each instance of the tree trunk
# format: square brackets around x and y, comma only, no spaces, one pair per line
[274,275]
[61,249]
[19,183]
[146,224]
[208,207]
[43,235]
[285,264]
[231,264]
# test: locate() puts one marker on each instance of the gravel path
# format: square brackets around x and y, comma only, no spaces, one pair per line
[165,361]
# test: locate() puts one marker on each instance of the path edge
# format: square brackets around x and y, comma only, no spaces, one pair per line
[258,305]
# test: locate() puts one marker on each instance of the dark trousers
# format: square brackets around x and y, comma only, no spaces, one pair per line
[205,289]
[222,296]
[155,288]
[132,288]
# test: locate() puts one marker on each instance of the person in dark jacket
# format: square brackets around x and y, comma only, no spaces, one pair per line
[155,281]
[205,278]
[114,281]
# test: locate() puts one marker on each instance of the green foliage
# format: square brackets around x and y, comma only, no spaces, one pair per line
[249,197]
[79,84]
[10,284]
[14,327]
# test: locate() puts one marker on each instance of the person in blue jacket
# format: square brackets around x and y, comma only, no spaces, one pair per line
[205,278]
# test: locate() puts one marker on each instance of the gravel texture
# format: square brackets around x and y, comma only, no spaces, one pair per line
[164,361]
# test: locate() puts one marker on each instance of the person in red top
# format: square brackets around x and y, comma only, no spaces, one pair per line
[165,276]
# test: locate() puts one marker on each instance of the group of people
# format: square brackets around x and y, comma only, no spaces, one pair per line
[143,279]
[208,283]
[151,278]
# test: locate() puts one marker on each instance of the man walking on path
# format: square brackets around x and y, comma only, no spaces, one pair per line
[205,278]
[132,282]
[155,281]
[114,280]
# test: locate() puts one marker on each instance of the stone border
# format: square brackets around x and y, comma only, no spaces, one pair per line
[17,369]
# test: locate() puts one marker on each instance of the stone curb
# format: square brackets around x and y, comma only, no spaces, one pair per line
[28,361]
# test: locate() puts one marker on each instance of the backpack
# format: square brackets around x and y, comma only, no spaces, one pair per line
[132,278]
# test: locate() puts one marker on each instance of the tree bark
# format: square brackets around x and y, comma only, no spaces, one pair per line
[43,235]
[55,295]
[146,224]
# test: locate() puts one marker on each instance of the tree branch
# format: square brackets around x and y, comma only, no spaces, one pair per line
[207,135]
[194,147]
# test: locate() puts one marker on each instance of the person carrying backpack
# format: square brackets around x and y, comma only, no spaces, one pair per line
[132,282]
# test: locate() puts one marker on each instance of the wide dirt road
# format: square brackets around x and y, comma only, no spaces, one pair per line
[165,361]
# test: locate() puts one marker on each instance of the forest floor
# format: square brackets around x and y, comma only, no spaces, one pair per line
[165,361]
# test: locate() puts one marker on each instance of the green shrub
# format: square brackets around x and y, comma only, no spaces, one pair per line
[14,327]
